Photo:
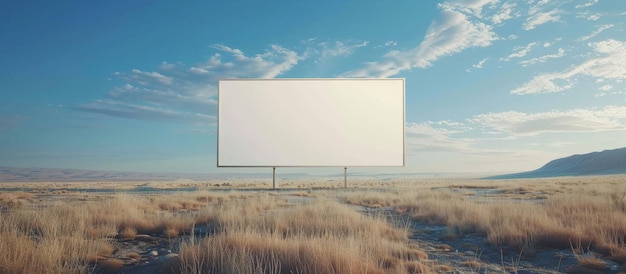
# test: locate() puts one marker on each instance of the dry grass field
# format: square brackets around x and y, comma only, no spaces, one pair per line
[314,226]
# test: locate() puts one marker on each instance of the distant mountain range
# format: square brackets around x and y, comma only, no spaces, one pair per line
[15,174]
[595,163]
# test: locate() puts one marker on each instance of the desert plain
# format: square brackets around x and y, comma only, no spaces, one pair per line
[403,224]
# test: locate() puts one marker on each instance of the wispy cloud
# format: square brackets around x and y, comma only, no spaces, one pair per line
[181,93]
[577,120]
[199,99]
[481,63]
[472,7]
[441,138]
[455,33]
[478,65]
[520,52]
[269,64]
[610,65]
[588,4]
[148,78]
[339,48]
[589,16]
[429,137]
[540,18]
[606,87]
[452,136]
[146,112]
[388,43]
[600,29]
[543,59]
[451,34]
[505,13]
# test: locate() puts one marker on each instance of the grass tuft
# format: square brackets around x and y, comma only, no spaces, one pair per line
[110,264]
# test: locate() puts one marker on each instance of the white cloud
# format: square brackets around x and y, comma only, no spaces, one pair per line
[606,87]
[308,41]
[146,112]
[600,29]
[520,51]
[594,17]
[589,16]
[269,64]
[389,43]
[505,13]
[445,136]
[543,59]
[430,140]
[180,93]
[473,7]
[481,63]
[426,137]
[547,44]
[588,4]
[340,48]
[610,65]
[541,18]
[454,33]
[577,120]
[147,78]
[503,131]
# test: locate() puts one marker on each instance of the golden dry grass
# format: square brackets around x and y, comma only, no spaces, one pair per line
[590,211]
[110,264]
[324,237]
[61,237]
[128,233]
[15,199]
[47,241]
[263,232]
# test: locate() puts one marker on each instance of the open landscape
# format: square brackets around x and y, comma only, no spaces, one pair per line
[392,225]
[476,136]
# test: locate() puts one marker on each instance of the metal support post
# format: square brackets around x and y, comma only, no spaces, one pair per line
[345,177]
[273,177]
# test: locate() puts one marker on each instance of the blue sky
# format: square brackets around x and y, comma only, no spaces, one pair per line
[491,86]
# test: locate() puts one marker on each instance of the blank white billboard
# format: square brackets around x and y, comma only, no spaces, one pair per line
[310,122]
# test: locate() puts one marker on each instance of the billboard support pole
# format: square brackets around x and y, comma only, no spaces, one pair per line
[273,177]
[345,177]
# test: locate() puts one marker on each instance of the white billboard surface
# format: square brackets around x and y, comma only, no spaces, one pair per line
[310,122]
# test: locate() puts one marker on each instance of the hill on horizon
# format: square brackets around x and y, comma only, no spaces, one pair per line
[595,163]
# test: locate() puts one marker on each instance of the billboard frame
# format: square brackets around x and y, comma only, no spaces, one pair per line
[219,119]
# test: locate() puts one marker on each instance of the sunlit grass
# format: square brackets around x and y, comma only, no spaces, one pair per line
[73,232]
[324,237]
[588,211]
